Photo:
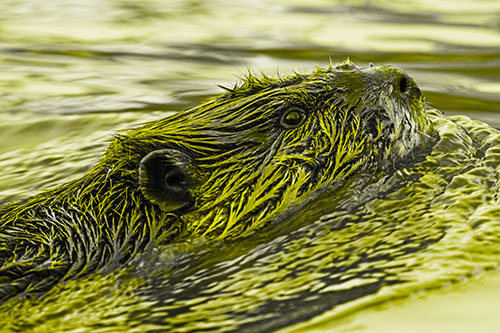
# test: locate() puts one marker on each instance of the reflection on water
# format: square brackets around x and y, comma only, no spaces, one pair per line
[72,74]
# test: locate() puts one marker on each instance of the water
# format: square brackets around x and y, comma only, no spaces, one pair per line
[72,75]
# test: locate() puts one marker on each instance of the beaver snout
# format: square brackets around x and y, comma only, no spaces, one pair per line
[405,85]
[164,179]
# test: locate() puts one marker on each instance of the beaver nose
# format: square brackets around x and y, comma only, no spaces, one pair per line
[404,82]
[406,85]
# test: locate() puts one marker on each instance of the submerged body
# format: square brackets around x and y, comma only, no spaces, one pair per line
[223,170]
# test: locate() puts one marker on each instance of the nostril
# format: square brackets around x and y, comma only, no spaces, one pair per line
[404,83]
[419,92]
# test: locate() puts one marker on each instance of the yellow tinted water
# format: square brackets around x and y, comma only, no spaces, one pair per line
[72,74]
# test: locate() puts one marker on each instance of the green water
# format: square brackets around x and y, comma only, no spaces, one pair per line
[72,74]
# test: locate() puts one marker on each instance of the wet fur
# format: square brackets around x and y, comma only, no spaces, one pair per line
[235,168]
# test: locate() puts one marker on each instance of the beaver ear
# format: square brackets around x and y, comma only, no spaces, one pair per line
[164,180]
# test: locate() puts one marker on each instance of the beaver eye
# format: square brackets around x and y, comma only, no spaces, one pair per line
[292,118]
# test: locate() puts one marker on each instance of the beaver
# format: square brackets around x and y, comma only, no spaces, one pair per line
[221,170]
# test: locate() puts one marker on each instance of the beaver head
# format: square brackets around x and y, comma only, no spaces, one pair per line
[219,170]
[240,160]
